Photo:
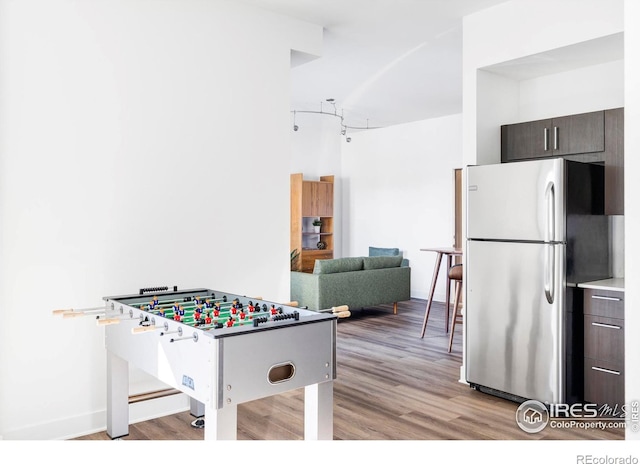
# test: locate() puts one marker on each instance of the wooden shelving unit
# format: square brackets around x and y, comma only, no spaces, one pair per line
[311,200]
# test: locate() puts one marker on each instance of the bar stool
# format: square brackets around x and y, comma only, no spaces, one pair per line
[455,274]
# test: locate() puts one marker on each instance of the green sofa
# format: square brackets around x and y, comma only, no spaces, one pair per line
[357,282]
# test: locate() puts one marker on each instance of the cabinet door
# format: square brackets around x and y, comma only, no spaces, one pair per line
[578,133]
[317,199]
[614,161]
[526,140]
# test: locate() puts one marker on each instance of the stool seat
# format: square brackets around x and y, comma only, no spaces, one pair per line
[455,272]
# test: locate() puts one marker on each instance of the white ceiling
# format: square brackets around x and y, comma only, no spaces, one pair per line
[384,62]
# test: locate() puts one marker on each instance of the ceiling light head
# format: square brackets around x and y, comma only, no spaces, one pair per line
[348,139]
[295,128]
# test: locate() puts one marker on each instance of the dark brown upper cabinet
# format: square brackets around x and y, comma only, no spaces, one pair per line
[597,136]
[566,135]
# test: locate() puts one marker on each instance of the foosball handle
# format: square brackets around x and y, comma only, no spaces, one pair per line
[108,321]
[60,312]
[292,303]
[343,314]
[73,314]
[339,309]
[143,329]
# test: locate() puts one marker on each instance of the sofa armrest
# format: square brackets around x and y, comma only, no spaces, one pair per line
[305,289]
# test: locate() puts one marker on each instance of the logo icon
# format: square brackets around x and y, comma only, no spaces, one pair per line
[532,416]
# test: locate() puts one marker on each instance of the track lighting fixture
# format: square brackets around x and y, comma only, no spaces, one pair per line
[343,126]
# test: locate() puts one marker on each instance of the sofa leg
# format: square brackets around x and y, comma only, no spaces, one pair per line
[395,307]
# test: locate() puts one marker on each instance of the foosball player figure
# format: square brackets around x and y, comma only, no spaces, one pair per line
[234,309]
[198,309]
[155,301]
[250,307]
[178,314]
[230,322]
[208,304]
[207,318]
[274,311]
[242,315]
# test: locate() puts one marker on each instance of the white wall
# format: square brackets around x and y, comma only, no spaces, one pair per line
[564,93]
[142,144]
[398,192]
[532,27]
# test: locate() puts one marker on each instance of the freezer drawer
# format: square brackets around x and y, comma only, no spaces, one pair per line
[517,201]
[515,318]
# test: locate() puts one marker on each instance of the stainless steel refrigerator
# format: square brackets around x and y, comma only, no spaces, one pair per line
[534,230]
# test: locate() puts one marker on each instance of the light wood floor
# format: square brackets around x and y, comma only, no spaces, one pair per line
[391,385]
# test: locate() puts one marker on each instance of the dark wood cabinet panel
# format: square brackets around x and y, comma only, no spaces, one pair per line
[614,161]
[604,383]
[565,135]
[604,347]
[578,133]
[526,140]
[605,303]
[604,338]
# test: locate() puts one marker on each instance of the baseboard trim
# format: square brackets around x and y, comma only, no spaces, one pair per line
[79,426]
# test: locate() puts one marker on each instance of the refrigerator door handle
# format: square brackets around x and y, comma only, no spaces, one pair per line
[549,271]
[550,196]
[550,255]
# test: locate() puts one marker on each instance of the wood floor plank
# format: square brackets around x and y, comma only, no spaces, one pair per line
[391,385]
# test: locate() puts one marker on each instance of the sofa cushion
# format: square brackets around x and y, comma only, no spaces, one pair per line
[374,251]
[332,266]
[381,262]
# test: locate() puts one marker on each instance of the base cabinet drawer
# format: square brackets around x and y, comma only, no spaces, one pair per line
[604,338]
[605,303]
[603,383]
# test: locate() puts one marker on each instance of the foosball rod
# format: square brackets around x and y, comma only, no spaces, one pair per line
[171,302]
[79,312]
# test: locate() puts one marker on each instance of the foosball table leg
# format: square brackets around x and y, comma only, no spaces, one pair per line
[318,411]
[117,396]
[221,424]
[196,408]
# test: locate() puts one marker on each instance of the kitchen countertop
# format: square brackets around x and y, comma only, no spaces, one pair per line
[606,284]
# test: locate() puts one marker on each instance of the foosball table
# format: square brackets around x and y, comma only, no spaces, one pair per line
[221,350]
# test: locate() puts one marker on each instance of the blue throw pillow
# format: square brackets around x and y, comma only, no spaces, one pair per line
[373,251]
